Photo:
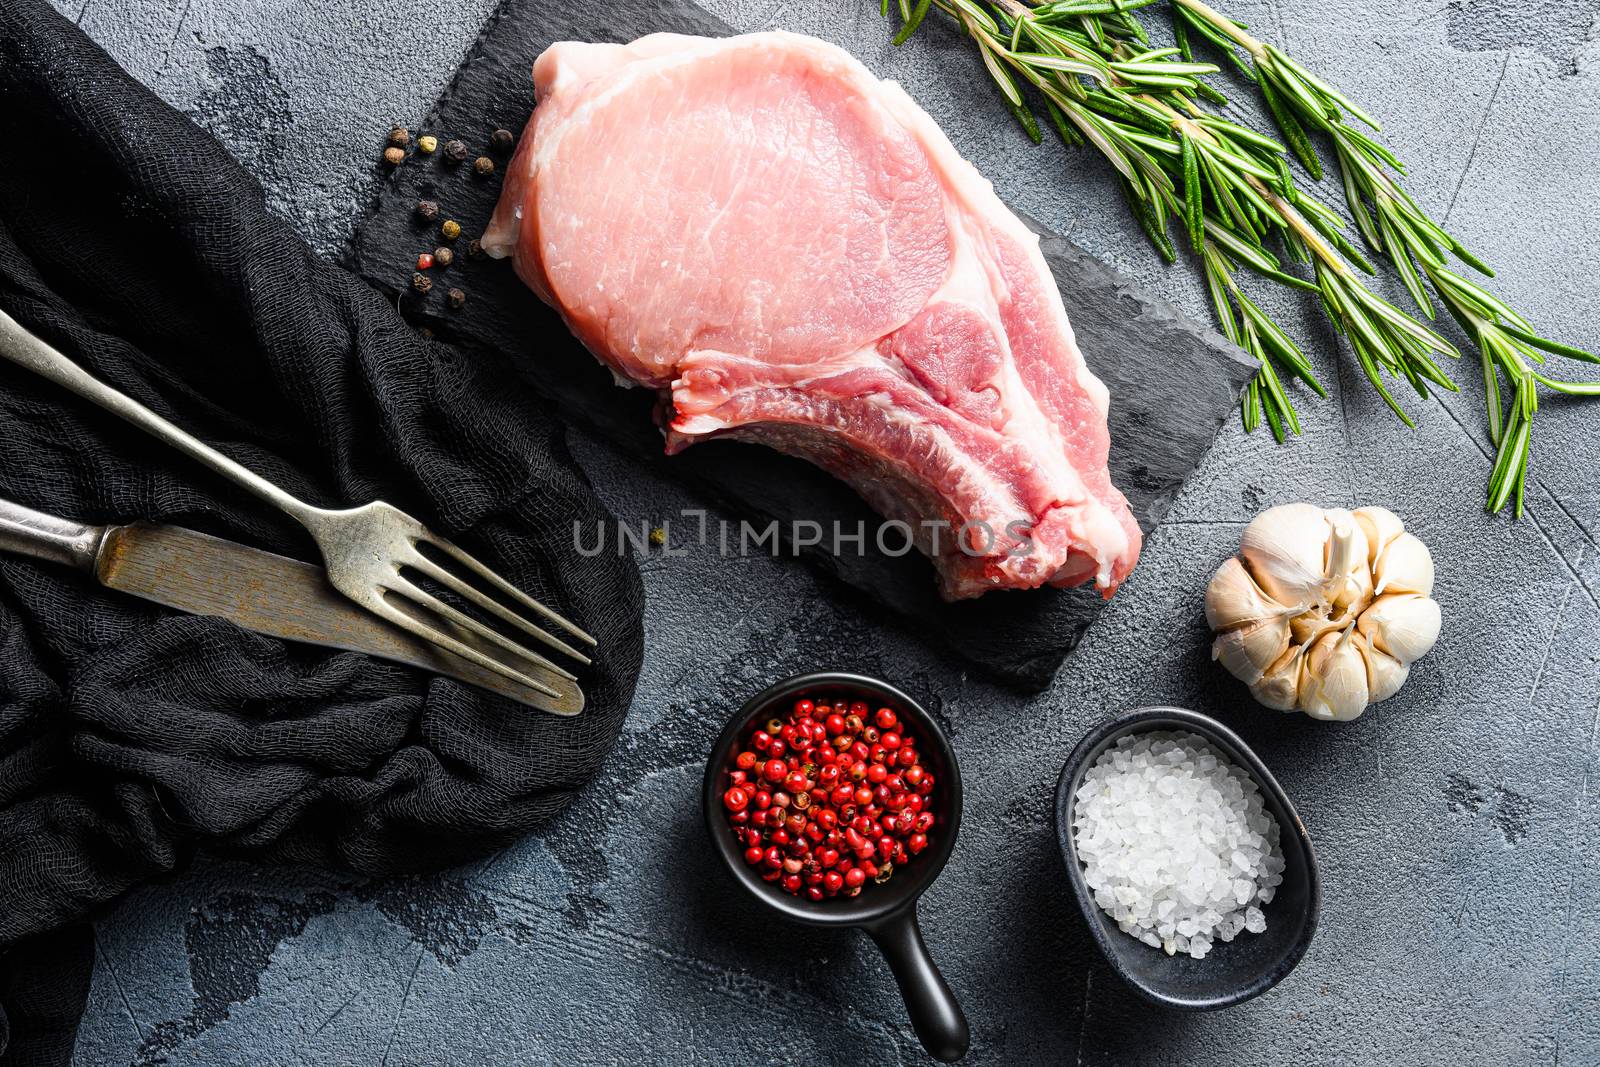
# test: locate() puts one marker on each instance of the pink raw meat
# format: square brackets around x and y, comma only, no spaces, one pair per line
[793,253]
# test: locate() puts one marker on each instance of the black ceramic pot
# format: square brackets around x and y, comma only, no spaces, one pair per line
[1233,971]
[887,912]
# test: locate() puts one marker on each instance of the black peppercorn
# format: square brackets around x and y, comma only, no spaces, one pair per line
[474,247]
[399,136]
[443,257]
[456,298]
[501,141]
[421,282]
[484,166]
[455,152]
[427,210]
[394,156]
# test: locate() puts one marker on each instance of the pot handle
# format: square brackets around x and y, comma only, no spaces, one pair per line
[935,1015]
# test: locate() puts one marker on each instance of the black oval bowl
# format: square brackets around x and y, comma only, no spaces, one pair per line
[887,912]
[1232,971]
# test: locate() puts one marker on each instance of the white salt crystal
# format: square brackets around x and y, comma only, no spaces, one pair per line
[1176,843]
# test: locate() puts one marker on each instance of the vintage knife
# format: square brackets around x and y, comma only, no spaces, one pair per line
[260,591]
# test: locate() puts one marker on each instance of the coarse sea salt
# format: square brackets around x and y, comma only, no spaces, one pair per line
[1176,844]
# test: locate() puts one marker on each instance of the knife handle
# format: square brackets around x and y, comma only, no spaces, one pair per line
[33,533]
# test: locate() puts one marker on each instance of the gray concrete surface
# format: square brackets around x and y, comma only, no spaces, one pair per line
[1456,823]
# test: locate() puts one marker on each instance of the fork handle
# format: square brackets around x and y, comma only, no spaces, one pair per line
[33,533]
[30,352]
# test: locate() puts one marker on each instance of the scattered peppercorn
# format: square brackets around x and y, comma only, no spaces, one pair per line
[427,210]
[424,261]
[824,818]
[421,282]
[443,257]
[455,152]
[501,141]
[474,247]
[450,230]
[427,143]
[457,299]
[484,166]
[399,136]
[394,156]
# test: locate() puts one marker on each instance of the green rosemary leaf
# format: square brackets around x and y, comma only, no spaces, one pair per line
[1194,196]
[1002,77]
[1253,256]
[1399,320]
[1240,133]
[1555,347]
[1222,195]
[1065,131]
[1471,260]
[918,13]
[1030,125]
[1088,125]
[1491,390]
[1217,281]
[1485,298]
[1400,256]
[1278,400]
[1165,145]
[1237,161]
[1207,91]
[1154,67]
[1279,343]
[1180,34]
[1252,406]
[1290,127]
[1510,462]
[1154,229]
[884,12]
[1570,388]
[1369,366]
[980,17]
[1367,144]
[1323,87]
[905,9]
[1061,63]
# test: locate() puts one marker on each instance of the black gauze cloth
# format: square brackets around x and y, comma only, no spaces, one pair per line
[131,735]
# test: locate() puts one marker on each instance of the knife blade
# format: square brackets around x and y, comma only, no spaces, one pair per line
[260,591]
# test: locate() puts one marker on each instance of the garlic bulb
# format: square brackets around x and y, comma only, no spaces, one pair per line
[1324,610]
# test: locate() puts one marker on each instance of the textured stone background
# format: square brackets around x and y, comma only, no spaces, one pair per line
[1455,823]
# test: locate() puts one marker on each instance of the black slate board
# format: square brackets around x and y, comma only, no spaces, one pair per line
[1172,382]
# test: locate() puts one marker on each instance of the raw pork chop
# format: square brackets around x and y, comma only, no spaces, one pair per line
[793,253]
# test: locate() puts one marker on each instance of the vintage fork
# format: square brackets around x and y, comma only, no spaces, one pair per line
[364,549]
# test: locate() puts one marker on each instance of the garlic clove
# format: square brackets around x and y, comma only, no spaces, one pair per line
[1349,577]
[1334,686]
[1406,566]
[1385,674]
[1381,526]
[1233,598]
[1249,650]
[1279,686]
[1285,550]
[1402,625]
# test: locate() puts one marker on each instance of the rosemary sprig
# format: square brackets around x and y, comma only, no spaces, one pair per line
[1395,226]
[1230,192]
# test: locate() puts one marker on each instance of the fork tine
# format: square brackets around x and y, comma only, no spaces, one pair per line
[505,587]
[445,641]
[490,604]
[416,595]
